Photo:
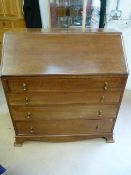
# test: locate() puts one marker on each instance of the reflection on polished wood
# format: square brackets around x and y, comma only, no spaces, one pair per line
[63,85]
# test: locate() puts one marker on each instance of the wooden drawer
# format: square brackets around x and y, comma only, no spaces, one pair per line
[34,99]
[64,127]
[5,24]
[60,112]
[19,23]
[33,84]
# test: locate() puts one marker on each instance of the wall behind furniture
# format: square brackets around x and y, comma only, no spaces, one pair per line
[124,26]
[44,9]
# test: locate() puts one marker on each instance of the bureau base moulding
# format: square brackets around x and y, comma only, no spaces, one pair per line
[63,138]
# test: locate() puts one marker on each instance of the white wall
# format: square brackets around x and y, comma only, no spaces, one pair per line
[125,27]
[125,6]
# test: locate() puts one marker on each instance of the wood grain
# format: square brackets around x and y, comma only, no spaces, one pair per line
[64,127]
[60,112]
[39,84]
[63,138]
[67,86]
[36,99]
[63,53]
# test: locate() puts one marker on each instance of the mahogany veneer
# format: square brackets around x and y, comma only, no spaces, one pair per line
[63,86]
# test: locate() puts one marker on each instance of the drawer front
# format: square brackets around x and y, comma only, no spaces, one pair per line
[35,99]
[64,84]
[60,112]
[5,24]
[64,127]
[19,23]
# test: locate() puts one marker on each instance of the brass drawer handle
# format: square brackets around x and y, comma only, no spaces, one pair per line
[31,130]
[106,86]
[24,86]
[28,115]
[26,100]
[100,113]
[102,99]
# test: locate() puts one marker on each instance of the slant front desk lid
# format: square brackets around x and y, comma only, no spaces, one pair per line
[59,53]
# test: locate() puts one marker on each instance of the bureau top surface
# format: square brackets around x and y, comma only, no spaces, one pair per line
[59,53]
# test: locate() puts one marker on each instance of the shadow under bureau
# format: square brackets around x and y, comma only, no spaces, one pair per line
[63,85]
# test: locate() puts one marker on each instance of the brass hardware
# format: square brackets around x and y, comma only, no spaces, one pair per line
[24,86]
[29,115]
[31,130]
[97,127]
[26,100]
[102,99]
[106,86]
[100,113]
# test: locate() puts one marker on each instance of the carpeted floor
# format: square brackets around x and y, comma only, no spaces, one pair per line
[90,157]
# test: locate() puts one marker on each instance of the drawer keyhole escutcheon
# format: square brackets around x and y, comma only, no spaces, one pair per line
[100,113]
[24,87]
[31,130]
[26,100]
[106,86]
[29,115]
[102,99]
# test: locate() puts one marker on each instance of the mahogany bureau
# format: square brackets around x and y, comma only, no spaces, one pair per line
[63,85]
